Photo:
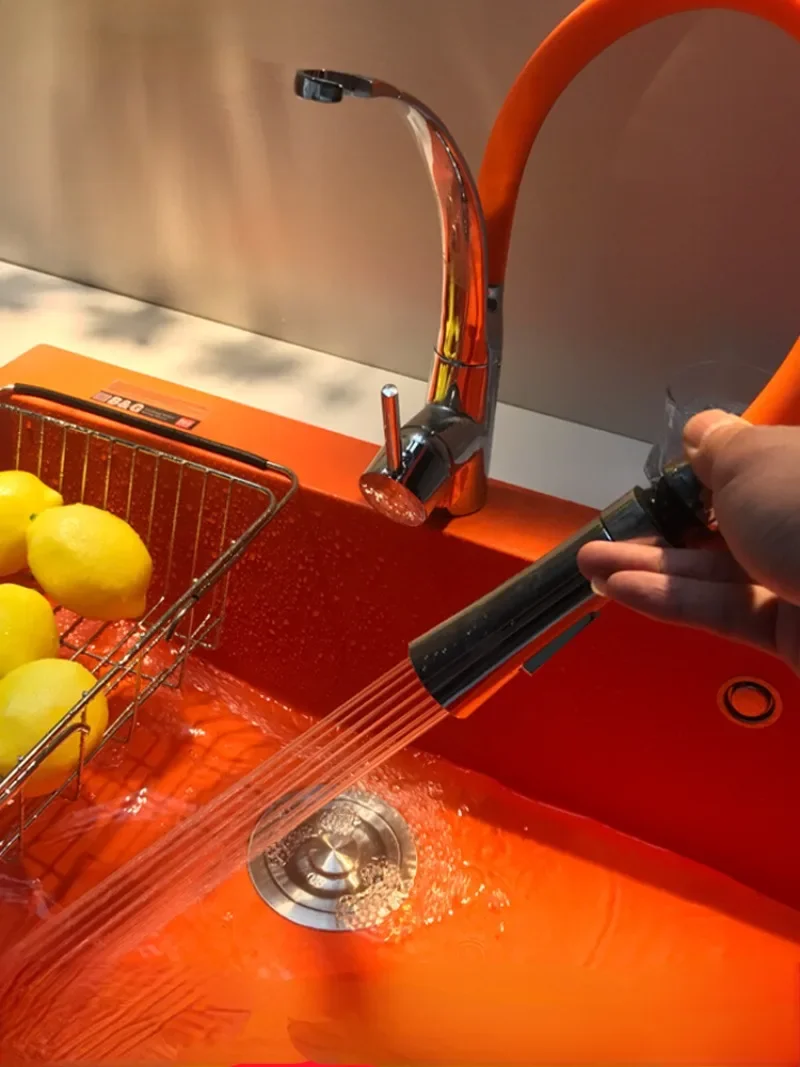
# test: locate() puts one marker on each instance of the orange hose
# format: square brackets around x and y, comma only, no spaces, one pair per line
[778,403]
[579,39]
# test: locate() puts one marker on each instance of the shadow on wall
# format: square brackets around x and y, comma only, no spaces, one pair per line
[255,361]
[23,292]
[245,362]
[159,152]
[141,325]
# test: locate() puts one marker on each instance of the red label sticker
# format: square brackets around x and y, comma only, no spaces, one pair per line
[137,401]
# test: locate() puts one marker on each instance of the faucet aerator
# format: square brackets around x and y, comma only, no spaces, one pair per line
[392,500]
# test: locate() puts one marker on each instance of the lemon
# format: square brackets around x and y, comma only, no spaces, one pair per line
[33,699]
[28,628]
[22,496]
[90,561]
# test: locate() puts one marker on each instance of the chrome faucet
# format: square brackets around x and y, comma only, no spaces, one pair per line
[440,457]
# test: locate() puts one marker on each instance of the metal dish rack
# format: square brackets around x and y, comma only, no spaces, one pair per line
[173,503]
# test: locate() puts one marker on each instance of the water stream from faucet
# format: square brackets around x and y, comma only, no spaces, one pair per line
[52,971]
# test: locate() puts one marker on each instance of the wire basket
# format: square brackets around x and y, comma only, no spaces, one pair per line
[197,522]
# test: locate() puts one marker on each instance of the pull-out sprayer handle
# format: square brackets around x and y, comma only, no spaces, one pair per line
[390,406]
[463,660]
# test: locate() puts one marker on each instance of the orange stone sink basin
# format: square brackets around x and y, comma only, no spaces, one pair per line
[606,859]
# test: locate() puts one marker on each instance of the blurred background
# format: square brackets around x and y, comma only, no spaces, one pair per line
[156,149]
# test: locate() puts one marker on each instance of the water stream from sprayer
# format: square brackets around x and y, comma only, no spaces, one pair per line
[48,974]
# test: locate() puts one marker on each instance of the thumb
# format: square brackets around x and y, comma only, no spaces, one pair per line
[705,437]
[752,474]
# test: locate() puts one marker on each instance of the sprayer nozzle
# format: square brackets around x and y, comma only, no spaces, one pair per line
[472,653]
[330,86]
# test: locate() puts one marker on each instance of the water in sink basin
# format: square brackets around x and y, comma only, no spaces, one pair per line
[530,935]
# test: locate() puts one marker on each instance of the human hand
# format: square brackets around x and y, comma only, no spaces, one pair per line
[748,586]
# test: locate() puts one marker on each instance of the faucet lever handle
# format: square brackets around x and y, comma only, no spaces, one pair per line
[390,406]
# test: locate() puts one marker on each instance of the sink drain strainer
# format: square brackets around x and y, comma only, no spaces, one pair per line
[348,867]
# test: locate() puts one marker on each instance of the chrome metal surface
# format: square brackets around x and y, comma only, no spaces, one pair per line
[439,454]
[455,657]
[391,426]
[538,659]
[218,512]
[409,492]
[348,867]
[462,393]
[494,349]
[628,519]
[462,653]
[440,458]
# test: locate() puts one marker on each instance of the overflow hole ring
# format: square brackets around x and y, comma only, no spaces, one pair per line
[750,702]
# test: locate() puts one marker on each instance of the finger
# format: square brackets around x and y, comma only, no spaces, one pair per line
[601,559]
[704,437]
[752,472]
[743,612]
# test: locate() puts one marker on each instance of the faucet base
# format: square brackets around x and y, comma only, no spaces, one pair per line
[441,464]
[469,488]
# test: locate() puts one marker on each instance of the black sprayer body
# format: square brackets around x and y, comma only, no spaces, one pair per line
[467,657]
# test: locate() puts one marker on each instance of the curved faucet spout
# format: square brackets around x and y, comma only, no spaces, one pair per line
[461,332]
[444,453]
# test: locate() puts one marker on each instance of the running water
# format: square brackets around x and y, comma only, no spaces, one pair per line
[51,970]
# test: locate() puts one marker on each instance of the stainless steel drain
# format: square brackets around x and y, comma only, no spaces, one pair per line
[348,867]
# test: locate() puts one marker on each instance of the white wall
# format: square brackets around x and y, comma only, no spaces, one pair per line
[155,148]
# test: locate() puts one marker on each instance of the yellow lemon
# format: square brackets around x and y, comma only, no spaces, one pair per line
[33,699]
[90,562]
[22,496]
[28,628]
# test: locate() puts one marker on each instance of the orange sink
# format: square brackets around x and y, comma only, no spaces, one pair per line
[606,859]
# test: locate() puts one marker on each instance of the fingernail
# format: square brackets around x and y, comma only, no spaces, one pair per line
[599,587]
[699,428]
